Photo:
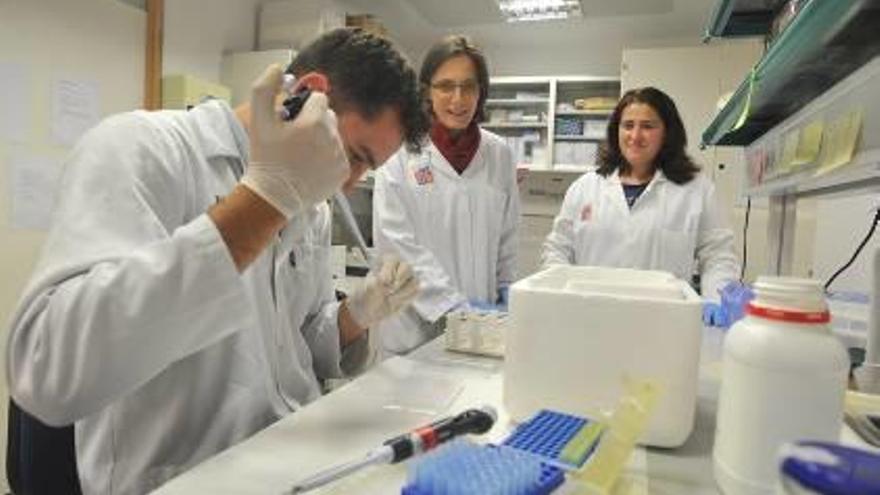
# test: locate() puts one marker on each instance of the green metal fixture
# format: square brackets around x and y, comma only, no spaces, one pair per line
[827,41]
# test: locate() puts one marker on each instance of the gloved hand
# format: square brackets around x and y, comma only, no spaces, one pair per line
[385,291]
[297,163]
[714,315]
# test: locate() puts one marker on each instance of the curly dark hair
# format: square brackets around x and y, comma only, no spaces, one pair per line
[672,159]
[445,49]
[369,73]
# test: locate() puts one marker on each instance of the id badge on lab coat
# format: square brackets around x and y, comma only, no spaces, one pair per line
[421,171]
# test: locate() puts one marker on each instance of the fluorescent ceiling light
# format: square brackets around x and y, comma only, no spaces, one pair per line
[539,10]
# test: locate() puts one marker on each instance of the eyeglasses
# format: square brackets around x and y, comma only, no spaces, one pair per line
[447,88]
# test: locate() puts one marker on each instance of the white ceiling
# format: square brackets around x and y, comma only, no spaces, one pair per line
[590,45]
[475,12]
[642,19]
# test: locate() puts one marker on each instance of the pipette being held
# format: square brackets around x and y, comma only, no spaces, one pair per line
[353,229]
[394,450]
[290,108]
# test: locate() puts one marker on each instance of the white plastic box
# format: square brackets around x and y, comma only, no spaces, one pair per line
[576,331]
[476,332]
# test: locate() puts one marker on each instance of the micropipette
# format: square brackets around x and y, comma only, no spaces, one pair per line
[292,105]
[290,109]
[351,224]
[407,445]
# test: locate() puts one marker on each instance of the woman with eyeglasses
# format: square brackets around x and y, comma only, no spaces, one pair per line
[452,210]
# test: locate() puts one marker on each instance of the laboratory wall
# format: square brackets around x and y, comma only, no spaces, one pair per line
[841,224]
[599,56]
[93,44]
[198,32]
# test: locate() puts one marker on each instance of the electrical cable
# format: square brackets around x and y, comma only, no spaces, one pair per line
[858,250]
[745,256]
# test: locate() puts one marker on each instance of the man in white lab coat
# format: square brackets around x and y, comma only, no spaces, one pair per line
[184,300]
[452,210]
[647,206]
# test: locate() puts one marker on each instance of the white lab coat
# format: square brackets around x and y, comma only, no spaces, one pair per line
[136,325]
[457,231]
[670,227]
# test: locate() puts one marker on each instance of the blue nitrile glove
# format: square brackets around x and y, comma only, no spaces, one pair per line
[714,315]
[503,297]
[481,306]
[735,296]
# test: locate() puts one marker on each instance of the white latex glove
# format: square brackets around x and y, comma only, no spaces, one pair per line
[297,163]
[385,291]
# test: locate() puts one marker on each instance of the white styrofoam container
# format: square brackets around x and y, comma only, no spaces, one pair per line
[576,331]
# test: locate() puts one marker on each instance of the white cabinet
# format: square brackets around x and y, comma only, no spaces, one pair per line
[552,135]
[540,199]
[544,121]
[533,230]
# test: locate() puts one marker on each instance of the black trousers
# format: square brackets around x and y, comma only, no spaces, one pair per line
[40,459]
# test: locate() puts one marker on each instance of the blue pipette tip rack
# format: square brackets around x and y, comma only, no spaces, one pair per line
[465,468]
[563,439]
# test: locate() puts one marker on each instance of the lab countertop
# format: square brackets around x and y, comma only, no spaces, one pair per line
[406,392]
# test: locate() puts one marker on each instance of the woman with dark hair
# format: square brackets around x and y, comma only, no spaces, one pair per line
[646,206]
[452,210]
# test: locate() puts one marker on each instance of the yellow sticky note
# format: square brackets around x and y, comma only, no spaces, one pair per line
[789,151]
[809,143]
[840,140]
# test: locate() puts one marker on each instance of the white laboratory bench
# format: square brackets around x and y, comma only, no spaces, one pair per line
[405,392]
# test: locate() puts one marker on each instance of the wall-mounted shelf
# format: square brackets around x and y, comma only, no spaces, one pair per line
[514,125]
[862,174]
[738,18]
[515,102]
[783,162]
[599,114]
[826,42]
[559,137]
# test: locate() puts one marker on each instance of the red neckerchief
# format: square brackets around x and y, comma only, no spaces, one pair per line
[460,150]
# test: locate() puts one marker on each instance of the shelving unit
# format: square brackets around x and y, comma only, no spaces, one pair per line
[578,151]
[539,143]
[519,109]
[807,114]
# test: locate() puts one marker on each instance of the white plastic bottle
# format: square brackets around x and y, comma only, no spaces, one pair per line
[783,380]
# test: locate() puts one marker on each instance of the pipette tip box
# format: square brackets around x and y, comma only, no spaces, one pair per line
[532,459]
[564,440]
[463,467]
